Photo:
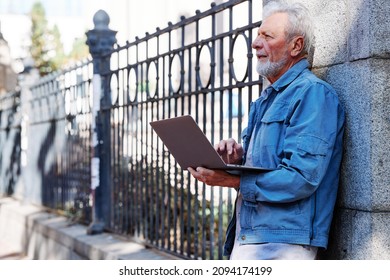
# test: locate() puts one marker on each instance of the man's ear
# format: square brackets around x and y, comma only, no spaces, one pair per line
[297,46]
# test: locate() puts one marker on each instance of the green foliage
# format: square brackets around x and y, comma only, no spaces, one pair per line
[79,50]
[46,47]
[40,36]
[59,57]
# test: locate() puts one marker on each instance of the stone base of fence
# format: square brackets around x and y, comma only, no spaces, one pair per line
[30,232]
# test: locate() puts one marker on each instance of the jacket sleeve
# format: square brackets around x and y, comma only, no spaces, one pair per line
[314,121]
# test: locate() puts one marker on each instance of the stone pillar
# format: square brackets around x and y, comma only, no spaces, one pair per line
[362,223]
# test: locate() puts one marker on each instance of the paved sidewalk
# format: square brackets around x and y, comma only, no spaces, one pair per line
[9,253]
[48,236]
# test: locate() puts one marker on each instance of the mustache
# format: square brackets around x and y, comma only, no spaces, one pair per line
[260,54]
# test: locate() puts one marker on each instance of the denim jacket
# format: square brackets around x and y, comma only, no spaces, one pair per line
[297,127]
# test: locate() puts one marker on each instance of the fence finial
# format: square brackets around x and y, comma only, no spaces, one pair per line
[100,41]
[101,20]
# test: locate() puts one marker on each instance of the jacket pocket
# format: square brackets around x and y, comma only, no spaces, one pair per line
[312,154]
[278,216]
[276,113]
[271,135]
[273,124]
[312,145]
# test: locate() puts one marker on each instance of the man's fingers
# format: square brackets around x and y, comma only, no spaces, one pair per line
[220,147]
[200,173]
[238,149]
[229,147]
[191,170]
[225,146]
[194,173]
[214,178]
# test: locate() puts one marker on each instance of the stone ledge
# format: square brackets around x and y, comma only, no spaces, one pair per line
[38,234]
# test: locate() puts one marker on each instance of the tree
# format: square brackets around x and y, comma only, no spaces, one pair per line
[39,33]
[46,48]
[58,56]
[79,50]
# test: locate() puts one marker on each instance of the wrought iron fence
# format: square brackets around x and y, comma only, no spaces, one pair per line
[201,66]
[59,121]
[10,142]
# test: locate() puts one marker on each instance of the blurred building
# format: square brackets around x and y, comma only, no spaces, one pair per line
[8,77]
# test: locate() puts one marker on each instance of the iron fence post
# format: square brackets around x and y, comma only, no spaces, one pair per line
[100,41]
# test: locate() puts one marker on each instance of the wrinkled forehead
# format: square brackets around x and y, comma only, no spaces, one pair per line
[275,24]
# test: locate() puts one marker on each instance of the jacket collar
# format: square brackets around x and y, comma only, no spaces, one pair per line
[290,75]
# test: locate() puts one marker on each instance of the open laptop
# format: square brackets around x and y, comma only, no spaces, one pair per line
[190,146]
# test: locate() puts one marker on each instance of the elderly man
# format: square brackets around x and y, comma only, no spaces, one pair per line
[296,127]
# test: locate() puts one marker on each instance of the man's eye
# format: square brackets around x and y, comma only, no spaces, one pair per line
[266,36]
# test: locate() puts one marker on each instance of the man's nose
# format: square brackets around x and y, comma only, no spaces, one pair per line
[257,43]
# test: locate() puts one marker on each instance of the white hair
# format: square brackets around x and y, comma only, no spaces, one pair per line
[300,22]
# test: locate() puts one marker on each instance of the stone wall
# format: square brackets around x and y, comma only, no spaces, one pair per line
[352,53]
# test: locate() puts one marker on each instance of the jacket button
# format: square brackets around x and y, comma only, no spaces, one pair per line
[243,237]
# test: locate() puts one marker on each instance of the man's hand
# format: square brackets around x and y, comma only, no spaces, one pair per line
[215,177]
[230,151]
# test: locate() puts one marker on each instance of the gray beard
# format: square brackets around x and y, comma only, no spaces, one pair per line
[270,69]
